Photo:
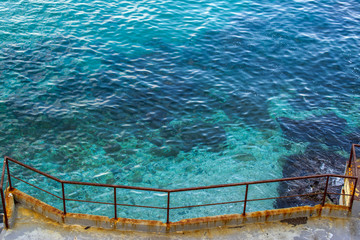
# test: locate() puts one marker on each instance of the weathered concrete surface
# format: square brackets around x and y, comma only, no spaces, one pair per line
[125,224]
[31,225]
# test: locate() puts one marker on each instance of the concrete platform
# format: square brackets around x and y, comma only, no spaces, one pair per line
[32,219]
[31,225]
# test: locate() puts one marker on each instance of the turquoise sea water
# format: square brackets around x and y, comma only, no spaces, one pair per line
[172,94]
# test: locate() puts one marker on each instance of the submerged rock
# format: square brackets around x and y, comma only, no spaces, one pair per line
[353,137]
[111,148]
[326,129]
[243,157]
[168,132]
[188,136]
[165,151]
[250,108]
[157,118]
[156,141]
[203,134]
[314,161]
[137,176]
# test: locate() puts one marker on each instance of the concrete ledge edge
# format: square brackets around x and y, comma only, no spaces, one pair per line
[14,196]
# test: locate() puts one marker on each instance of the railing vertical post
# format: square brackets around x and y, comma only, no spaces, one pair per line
[354,154]
[8,171]
[3,200]
[63,197]
[326,187]
[246,195]
[353,195]
[168,209]
[115,207]
[4,206]
[351,155]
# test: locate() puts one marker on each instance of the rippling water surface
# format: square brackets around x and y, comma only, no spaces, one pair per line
[171,94]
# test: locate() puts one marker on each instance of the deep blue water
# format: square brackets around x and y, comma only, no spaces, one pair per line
[173,94]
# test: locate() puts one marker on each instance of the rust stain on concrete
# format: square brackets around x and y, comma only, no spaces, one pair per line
[126,224]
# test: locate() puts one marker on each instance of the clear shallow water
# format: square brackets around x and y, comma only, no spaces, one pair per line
[177,94]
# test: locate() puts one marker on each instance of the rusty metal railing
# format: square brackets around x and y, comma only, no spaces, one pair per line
[352,154]
[168,207]
[351,168]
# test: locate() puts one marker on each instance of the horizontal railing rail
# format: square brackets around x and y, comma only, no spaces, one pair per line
[169,191]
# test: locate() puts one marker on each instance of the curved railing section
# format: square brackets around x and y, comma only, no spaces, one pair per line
[168,192]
